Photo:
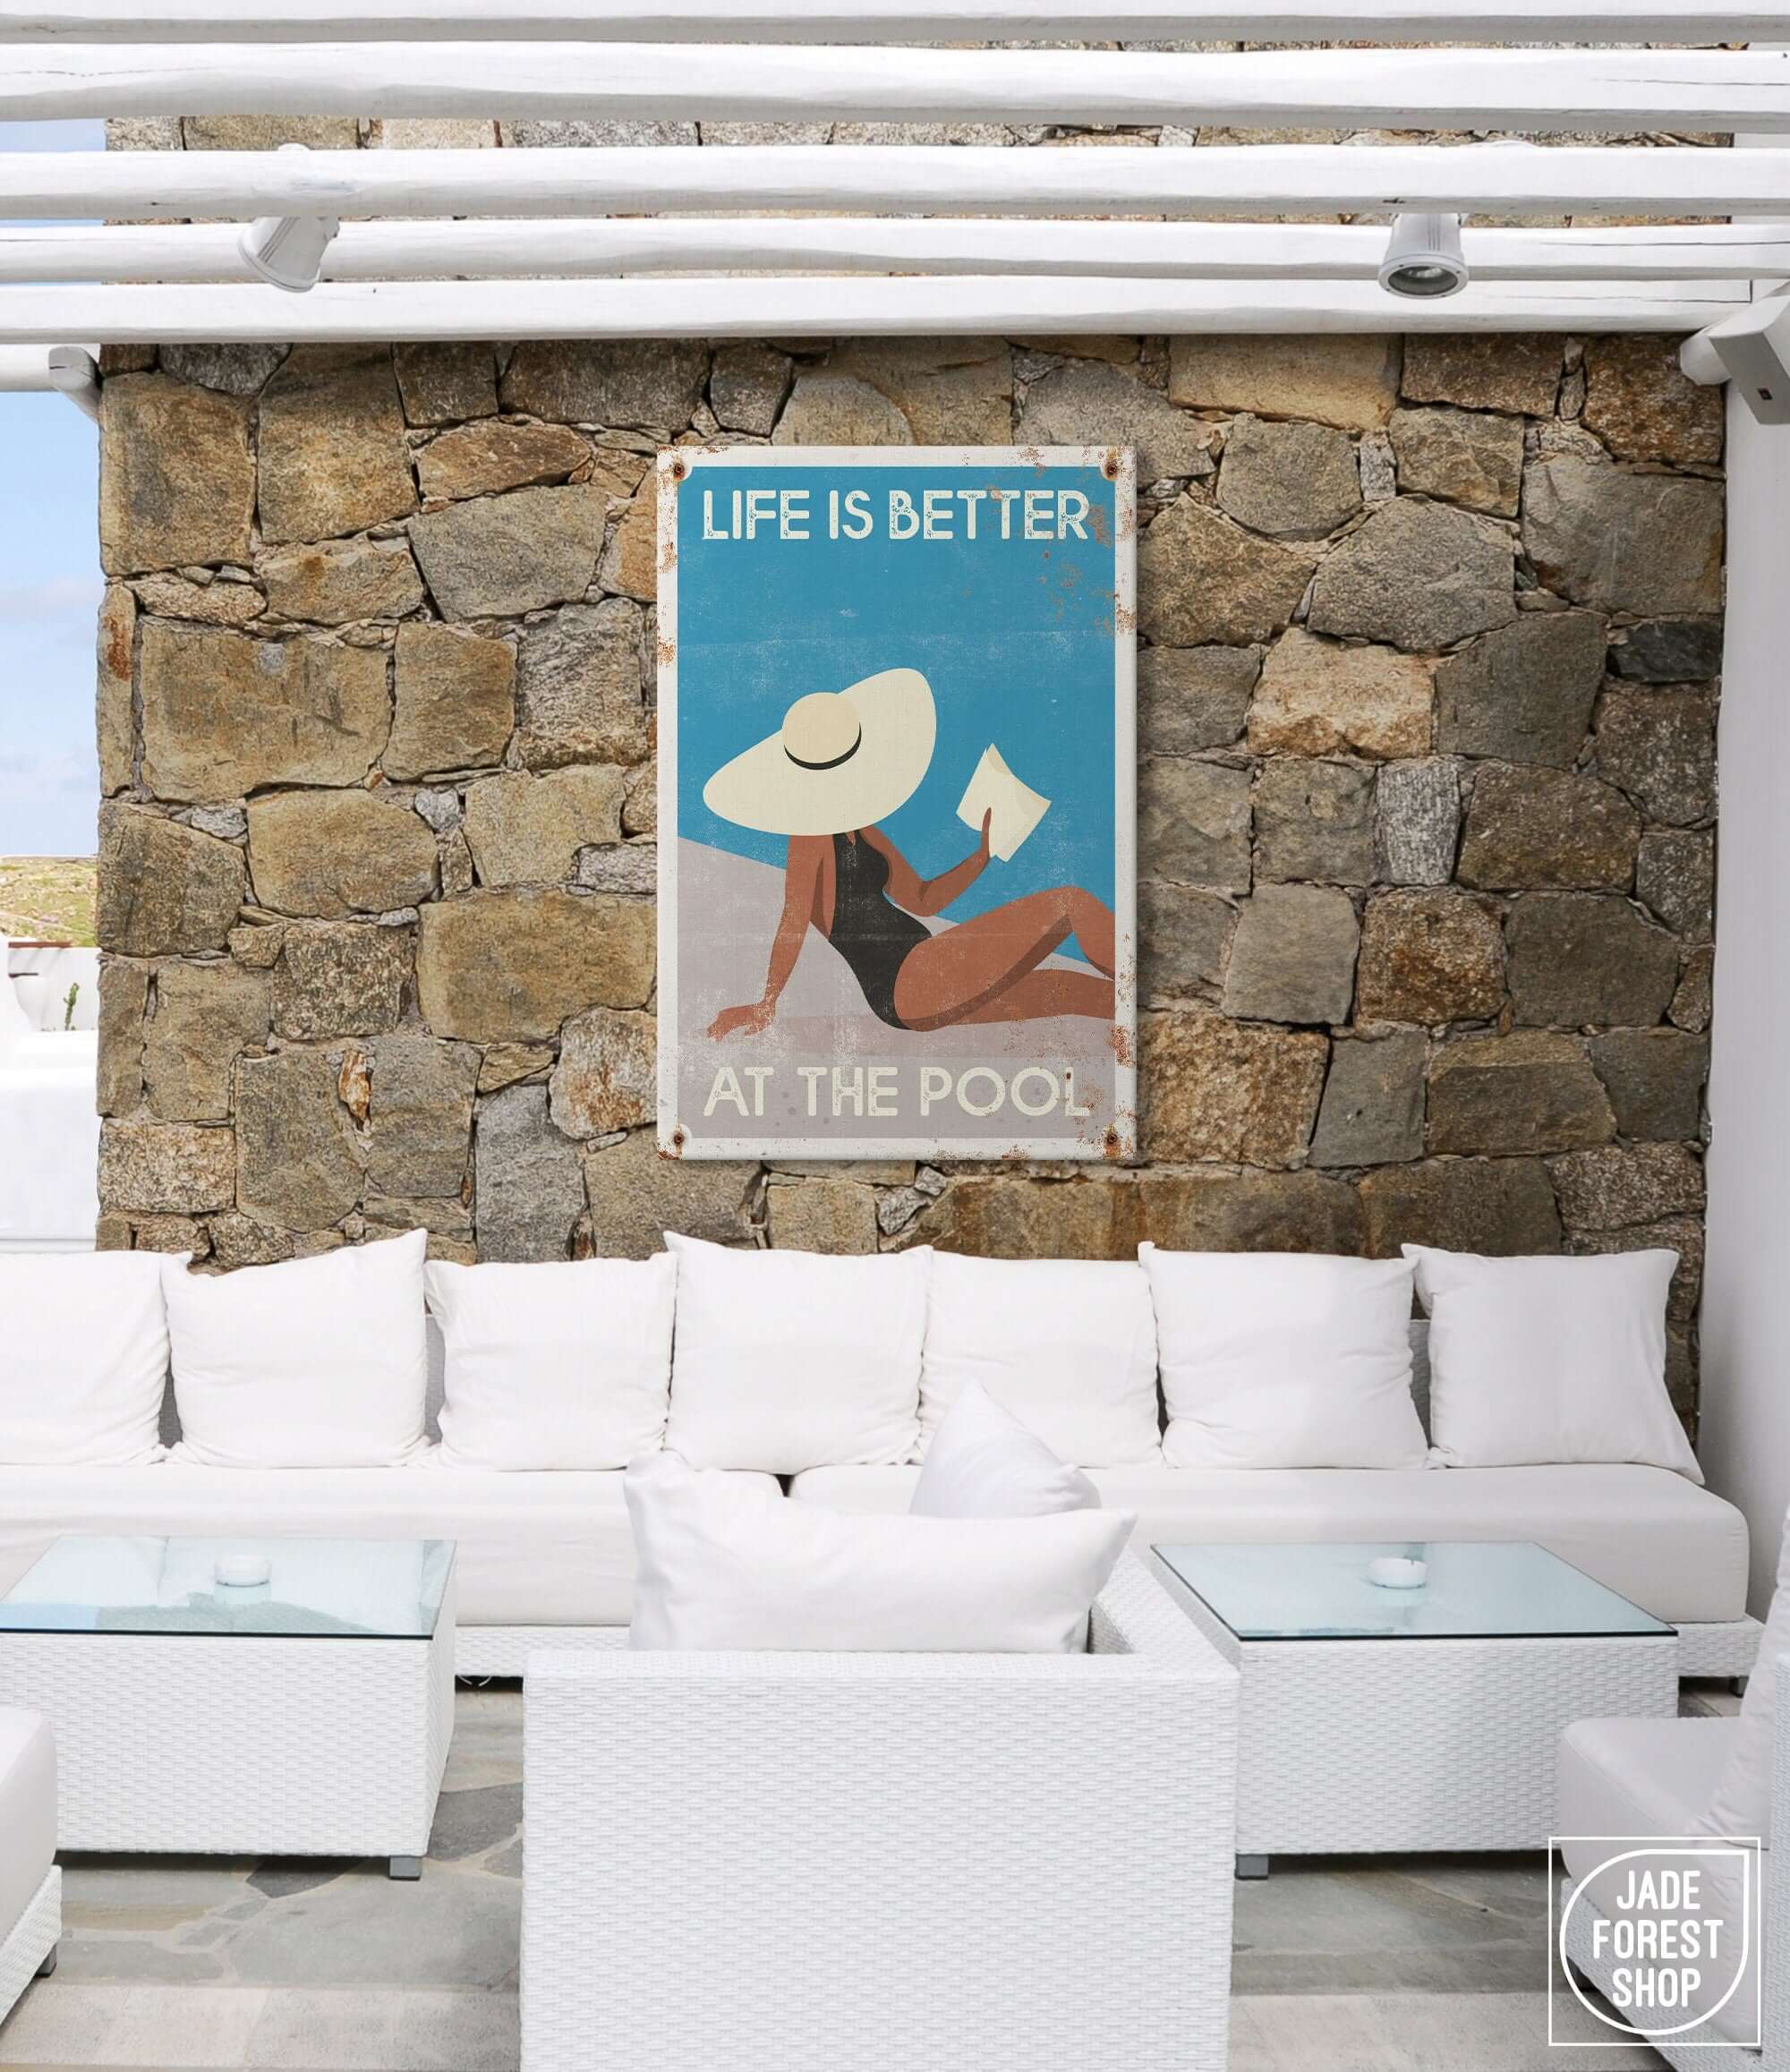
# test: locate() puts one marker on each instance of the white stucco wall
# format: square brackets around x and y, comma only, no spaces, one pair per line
[1746,1444]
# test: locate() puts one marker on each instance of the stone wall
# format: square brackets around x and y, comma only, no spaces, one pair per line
[1426,793]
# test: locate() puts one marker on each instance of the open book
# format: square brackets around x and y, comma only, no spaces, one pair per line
[1017,808]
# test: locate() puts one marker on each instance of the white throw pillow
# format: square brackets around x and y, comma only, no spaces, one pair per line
[1068,1345]
[83,1357]
[1741,1804]
[566,1365]
[727,1564]
[982,1463]
[315,1363]
[1537,1361]
[1284,1360]
[786,1360]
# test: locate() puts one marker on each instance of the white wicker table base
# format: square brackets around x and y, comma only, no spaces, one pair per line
[232,1745]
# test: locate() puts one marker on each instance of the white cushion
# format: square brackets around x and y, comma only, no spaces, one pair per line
[562,1366]
[1068,1345]
[786,1360]
[27,1811]
[1674,1549]
[84,1357]
[1284,1360]
[1740,1801]
[724,1565]
[984,1463]
[315,1363]
[1534,1360]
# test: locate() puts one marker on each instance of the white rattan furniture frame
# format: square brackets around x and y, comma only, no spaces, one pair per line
[1774,1954]
[1377,1747]
[839,1863]
[232,1744]
[29,1946]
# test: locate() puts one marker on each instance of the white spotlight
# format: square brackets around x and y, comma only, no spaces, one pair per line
[1424,258]
[287,250]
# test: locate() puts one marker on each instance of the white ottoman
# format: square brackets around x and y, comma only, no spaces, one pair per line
[31,1884]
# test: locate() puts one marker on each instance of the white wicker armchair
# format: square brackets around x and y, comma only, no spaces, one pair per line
[838,1863]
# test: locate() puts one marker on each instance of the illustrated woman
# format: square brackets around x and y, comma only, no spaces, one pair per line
[841,761]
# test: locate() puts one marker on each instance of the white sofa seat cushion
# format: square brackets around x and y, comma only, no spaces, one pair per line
[1067,1346]
[28,1810]
[1674,1549]
[312,1363]
[563,1365]
[83,1356]
[785,1360]
[1654,1777]
[551,1549]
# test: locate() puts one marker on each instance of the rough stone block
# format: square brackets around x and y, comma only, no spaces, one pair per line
[483,459]
[1587,960]
[124,997]
[1372,1109]
[1315,821]
[340,581]
[635,1196]
[225,715]
[1643,406]
[1524,1093]
[645,384]
[166,1168]
[225,599]
[510,966]
[497,557]
[1315,698]
[579,691]
[455,695]
[114,725]
[443,384]
[1501,1206]
[1416,821]
[524,829]
[1654,1079]
[1690,1006]
[1003,1216]
[206,1015]
[1249,1212]
[1183,934]
[1636,1184]
[1419,574]
[1675,874]
[1529,826]
[839,410]
[1293,956]
[1351,382]
[821,1215]
[1669,651]
[330,445]
[607,1073]
[420,1116]
[746,386]
[955,391]
[165,890]
[1623,541]
[176,476]
[1429,957]
[529,1179]
[1190,698]
[1296,482]
[1464,457]
[330,854]
[630,563]
[1525,692]
[1501,371]
[298,1166]
[1201,580]
[1214,1088]
[237,369]
[1088,403]
[1660,745]
[338,978]
[1193,822]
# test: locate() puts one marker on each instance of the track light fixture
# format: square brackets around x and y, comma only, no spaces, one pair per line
[1424,258]
[286,251]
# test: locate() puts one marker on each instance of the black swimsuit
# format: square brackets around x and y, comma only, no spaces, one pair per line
[870,931]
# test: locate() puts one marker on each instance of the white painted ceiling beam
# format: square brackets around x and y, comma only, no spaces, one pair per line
[1010,306]
[1222,180]
[24,370]
[590,247]
[895,21]
[1599,91]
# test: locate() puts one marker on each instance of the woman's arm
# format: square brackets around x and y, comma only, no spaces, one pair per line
[801,883]
[928,896]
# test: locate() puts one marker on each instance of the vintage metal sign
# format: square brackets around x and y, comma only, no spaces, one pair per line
[896,774]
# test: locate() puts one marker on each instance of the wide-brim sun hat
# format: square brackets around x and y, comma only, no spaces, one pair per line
[841,761]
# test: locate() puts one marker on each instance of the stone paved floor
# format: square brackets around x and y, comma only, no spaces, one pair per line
[1361,1965]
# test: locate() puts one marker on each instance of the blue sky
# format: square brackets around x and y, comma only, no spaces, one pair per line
[49,590]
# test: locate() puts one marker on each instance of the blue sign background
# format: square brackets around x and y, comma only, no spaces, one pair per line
[1015,636]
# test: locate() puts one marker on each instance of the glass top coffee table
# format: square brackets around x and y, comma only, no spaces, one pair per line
[241,1696]
[1378,1719]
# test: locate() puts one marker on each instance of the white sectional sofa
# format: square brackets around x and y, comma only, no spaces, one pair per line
[30,1883]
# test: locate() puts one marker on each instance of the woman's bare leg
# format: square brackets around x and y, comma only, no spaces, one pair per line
[967,967]
[1040,993]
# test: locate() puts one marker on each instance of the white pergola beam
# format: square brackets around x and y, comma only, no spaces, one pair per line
[24,370]
[1600,91]
[587,248]
[825,306]
[898,20]
[1123,180]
